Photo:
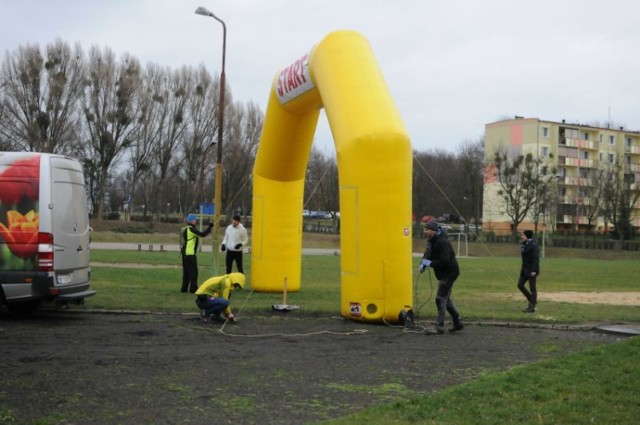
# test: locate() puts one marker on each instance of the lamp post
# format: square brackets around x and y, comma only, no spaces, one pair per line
[217,195]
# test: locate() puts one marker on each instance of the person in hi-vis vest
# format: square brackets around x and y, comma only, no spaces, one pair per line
[189,241]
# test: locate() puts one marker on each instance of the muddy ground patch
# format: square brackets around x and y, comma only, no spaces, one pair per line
[63,367]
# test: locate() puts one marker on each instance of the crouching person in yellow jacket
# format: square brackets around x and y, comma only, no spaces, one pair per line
[212,297]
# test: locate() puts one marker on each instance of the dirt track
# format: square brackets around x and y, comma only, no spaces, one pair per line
[275,368]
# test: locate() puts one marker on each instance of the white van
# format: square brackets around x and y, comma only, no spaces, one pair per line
[44,231]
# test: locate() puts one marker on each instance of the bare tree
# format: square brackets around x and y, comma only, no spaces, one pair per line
[5,145]
[437,184]
[244,129]
[171,98]
[620,196]
[197,143]
[146,132]
[108,110]
[471,159]
[544,194]
[593,192]
[40,101]
[523,181]
[320,187]
[331,188]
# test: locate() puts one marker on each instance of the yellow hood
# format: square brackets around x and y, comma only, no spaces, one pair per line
[238,278]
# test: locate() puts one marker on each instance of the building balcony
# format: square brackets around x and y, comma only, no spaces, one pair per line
[634,168]
[572,219]
[575,200]
[581,143]
[565,200]
[577,162]
[582,200]
[632,149]
[574,181]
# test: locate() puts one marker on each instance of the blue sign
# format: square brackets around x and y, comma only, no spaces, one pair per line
[207,208]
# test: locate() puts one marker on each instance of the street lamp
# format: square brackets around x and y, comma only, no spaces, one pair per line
[217,195]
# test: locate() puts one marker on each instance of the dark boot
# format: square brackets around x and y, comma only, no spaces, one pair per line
[457,327]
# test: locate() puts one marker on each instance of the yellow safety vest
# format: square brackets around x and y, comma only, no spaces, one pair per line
[188,241]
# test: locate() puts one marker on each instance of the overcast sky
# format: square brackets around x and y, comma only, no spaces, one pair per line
[451,66]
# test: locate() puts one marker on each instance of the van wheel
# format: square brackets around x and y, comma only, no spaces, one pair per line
[23,308]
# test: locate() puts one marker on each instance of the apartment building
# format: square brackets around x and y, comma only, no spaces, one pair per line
[582,155]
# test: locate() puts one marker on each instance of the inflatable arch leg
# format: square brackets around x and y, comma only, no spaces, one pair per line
[374,167]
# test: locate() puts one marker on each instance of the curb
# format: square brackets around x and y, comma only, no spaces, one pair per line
[625,329]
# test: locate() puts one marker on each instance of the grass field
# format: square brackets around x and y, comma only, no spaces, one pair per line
[597,386]
[486,289]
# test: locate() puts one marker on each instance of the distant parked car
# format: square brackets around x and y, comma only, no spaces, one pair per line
[471,227]
[305,213]
[320,214]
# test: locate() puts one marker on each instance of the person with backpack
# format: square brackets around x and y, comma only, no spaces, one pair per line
[189,242]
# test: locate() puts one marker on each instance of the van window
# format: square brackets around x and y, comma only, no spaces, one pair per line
[68,189]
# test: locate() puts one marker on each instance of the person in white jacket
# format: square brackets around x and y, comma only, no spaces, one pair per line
[235,238]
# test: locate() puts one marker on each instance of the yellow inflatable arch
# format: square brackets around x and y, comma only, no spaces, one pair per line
[374,157]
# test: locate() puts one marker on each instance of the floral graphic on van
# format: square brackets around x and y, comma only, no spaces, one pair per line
[19,208]
[21,234]
[20,180]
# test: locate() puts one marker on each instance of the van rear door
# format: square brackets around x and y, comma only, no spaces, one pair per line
[71,234]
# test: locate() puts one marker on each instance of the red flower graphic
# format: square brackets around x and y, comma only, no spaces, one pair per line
[20,180]
[21,234]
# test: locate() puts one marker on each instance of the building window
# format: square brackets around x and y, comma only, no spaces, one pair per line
[600,156]
[562,172]
[545,132]
[628,142]
[612,140]
[629,178]
[611,158]
[584,155]
[601,138]
[628,160]
[544,151]
[572,133]
[584,173]
[585,136]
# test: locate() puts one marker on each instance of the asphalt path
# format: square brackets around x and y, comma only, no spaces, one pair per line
[175,248]
[205,248]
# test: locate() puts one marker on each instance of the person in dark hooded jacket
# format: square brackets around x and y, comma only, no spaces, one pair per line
[440,256]
[530,270]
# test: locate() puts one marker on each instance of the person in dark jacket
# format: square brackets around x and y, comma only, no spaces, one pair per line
[440,256]
[530,270]
[189,241]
